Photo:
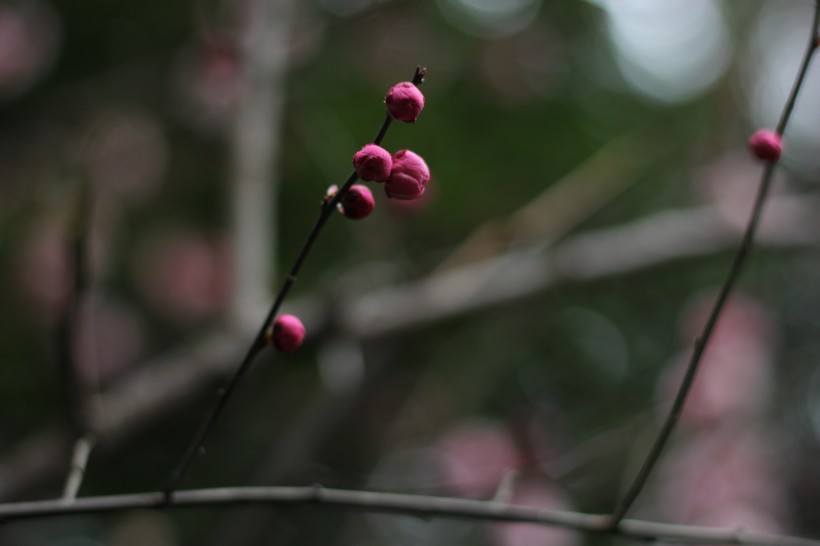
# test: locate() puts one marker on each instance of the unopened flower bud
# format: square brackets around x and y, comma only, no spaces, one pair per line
[404,102]
[409,176]
[766,144]
[287,333]
[373,163]
[358,202]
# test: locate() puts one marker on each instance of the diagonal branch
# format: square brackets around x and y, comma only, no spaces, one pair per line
[728,284]
[259,342]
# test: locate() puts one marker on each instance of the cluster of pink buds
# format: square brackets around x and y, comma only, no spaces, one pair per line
[405,174]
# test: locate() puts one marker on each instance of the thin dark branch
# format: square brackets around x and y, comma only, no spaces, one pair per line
[224,394]
[77,245]
[399,504]
[741,255]
[75,392]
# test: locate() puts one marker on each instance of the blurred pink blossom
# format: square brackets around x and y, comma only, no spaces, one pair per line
[44,273]
[109,339]
[730,182]
[128,153]
[29,40]
[45,267]
[735,376]
[208,80]
[539,494]
[184,275]
[476,456]
[722,469]
[722,475]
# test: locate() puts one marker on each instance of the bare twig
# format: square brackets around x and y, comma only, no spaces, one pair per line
[728,284]
[79,460]
[400,504]
[506,487]
[224,394]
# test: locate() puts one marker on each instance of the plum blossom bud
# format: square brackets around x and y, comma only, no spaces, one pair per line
[373,163]
[404,102]
[766,144]
[358,202]
[287,333]
[409,176]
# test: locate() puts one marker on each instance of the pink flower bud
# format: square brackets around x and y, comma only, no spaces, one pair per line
[358,202]
[287,333]
[373,163]
[404,102]
[409,176]
[765,144]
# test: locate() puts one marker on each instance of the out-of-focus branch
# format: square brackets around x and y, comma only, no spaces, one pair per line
[79,460]
[736,267]
[400,504]
[255,149]
[562,206]
[651,241]
[173,379]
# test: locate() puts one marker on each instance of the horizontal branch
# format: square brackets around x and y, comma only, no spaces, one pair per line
[401,504]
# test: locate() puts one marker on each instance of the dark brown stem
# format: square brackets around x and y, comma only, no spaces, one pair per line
[224,394]
[77,245]
[741,255]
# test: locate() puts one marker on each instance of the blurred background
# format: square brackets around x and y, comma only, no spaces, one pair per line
[518,332]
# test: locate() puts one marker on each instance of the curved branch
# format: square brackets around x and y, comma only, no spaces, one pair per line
[725,290]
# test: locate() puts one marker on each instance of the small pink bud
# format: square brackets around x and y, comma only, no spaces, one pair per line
[287,333]
[358,202]
[765,144]
[409,176]
[404,102]
[373,163]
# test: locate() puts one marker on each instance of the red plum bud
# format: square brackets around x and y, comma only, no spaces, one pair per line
[358,202]
[287,333]
[404,102]
[373,163]
[766,144]
[409,176]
